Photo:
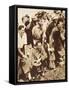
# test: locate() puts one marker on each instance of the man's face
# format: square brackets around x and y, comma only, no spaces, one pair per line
[60,25]
[40,22]
[22,30]
[26,19]
[45,16]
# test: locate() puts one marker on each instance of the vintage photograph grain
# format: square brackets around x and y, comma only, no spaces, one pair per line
[41,45]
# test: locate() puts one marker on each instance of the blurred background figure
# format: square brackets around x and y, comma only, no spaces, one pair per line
[28,28]
[37,32]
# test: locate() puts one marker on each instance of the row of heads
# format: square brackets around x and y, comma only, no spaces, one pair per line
[42,15]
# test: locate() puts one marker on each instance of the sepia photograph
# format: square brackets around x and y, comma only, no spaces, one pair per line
[41,44]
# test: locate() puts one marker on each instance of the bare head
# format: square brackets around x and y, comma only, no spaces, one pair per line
[21,28]
[25,19]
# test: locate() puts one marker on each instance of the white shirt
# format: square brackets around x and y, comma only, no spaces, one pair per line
[22,40]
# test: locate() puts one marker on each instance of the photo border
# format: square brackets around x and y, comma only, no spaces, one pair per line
[16,40]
